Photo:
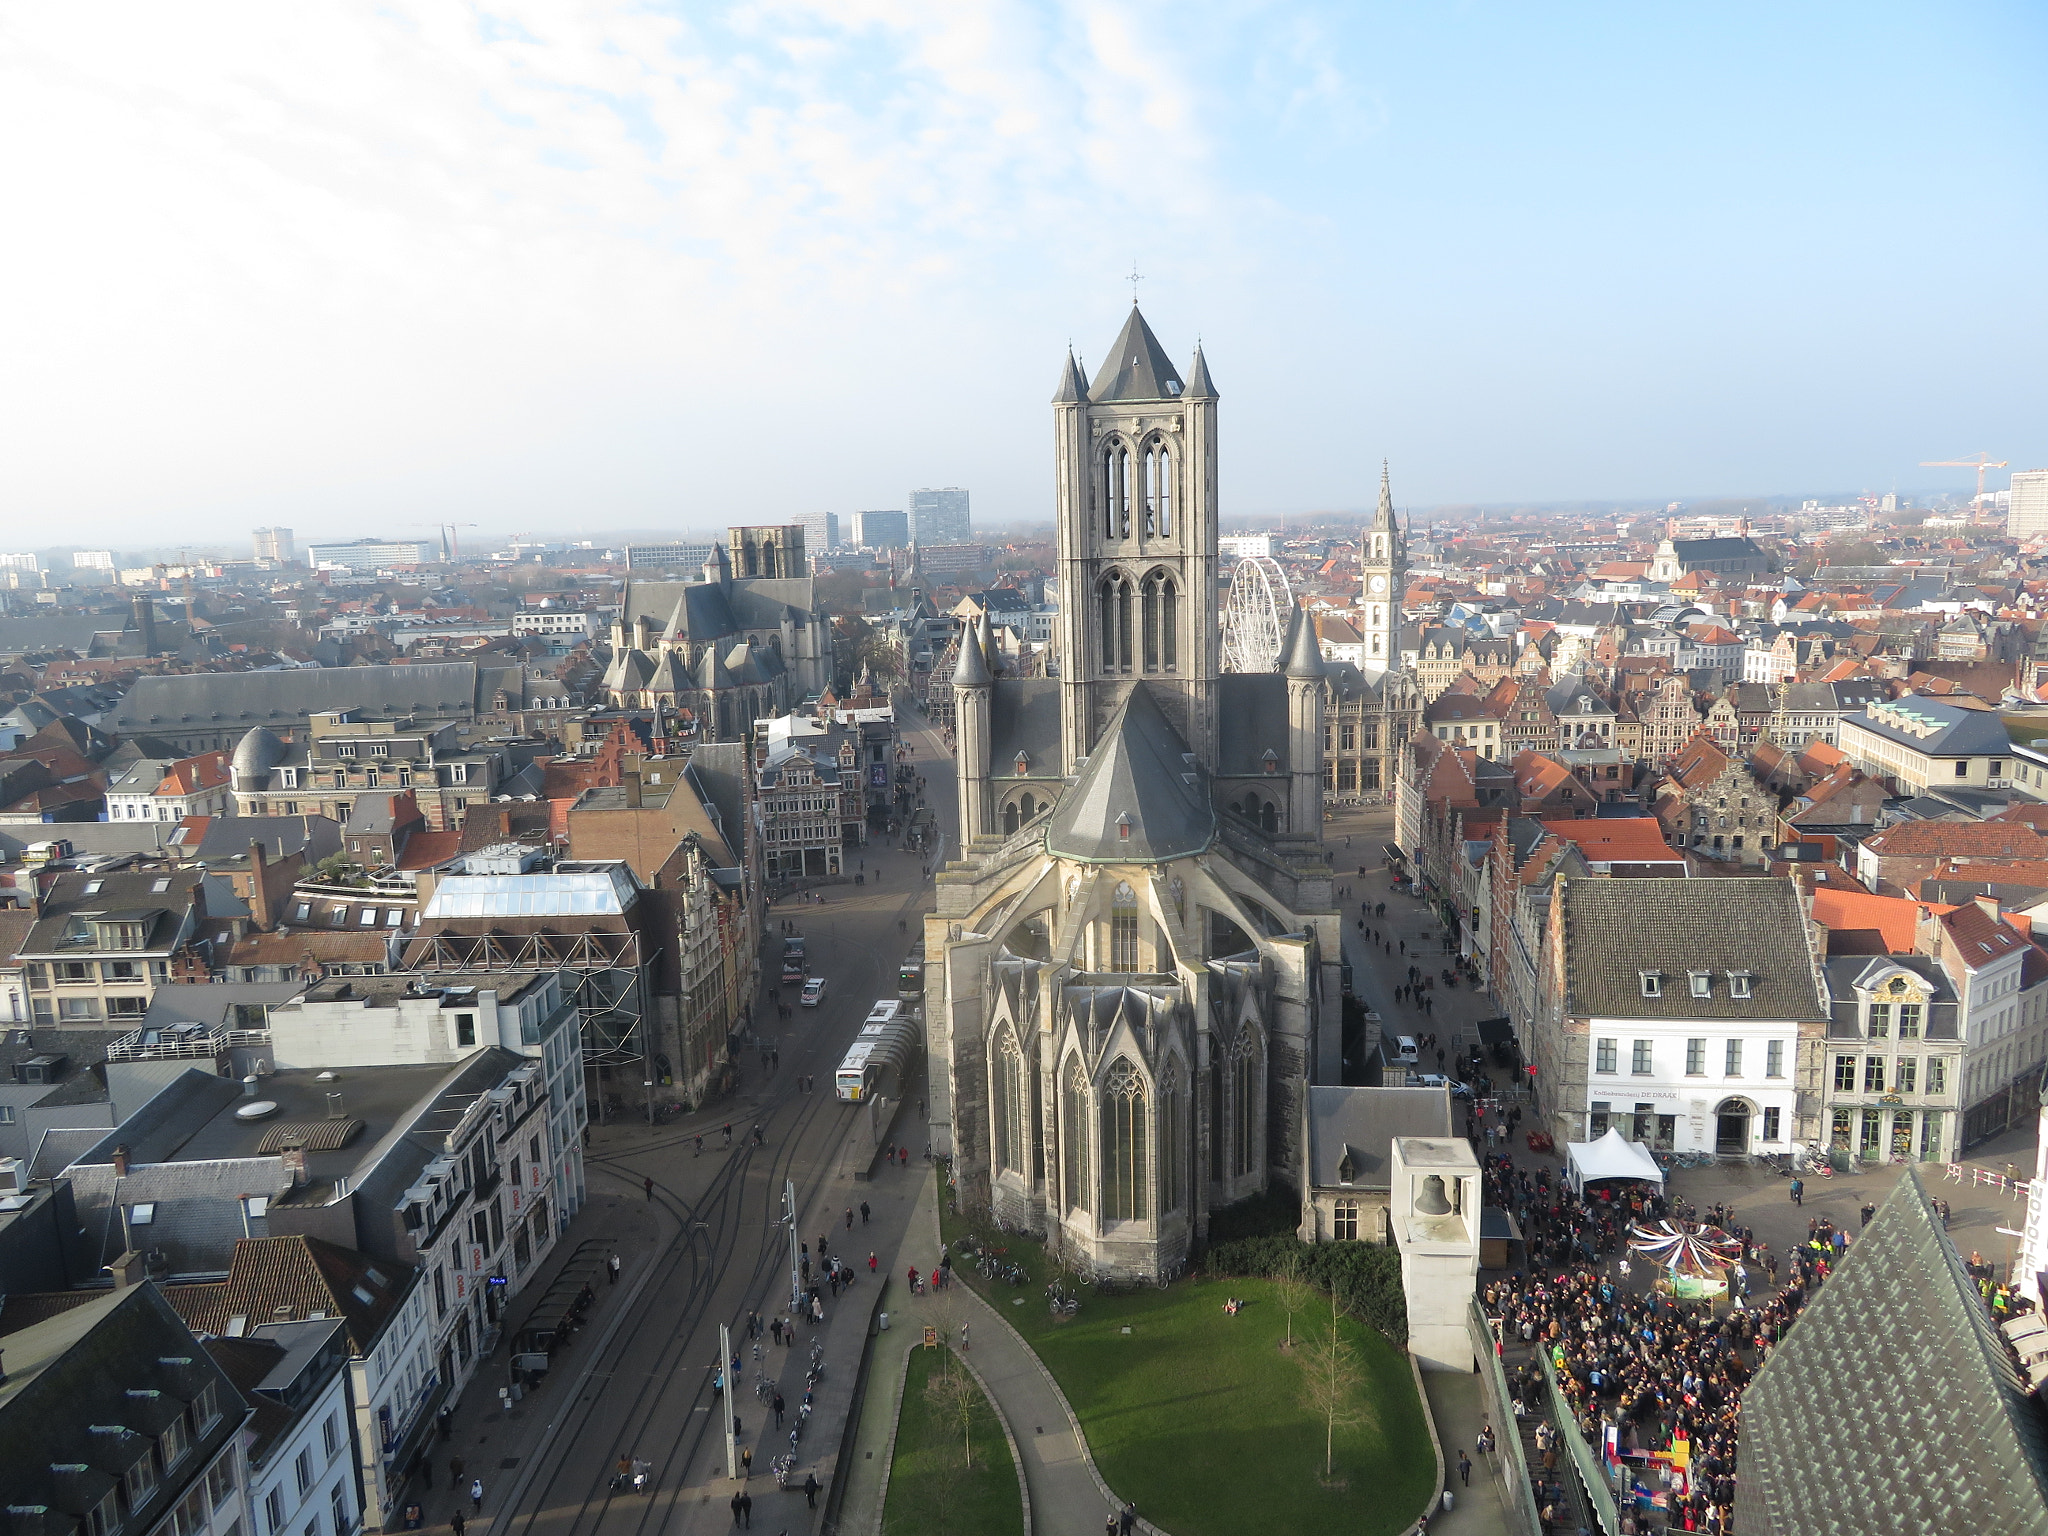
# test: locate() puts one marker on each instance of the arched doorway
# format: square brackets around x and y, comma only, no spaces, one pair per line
[1731,1126]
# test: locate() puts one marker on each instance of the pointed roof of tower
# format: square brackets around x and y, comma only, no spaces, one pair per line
[1073,383]
[1303,657]
[1137,367]
[1141,798]
[1383,517]
[1199,383]
[972,669]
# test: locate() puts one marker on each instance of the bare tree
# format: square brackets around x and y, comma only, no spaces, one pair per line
[1292,1292]
[1330,1378]
[956,1397]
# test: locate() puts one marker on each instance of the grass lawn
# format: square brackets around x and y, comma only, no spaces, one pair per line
[1198,1417]
[929,1488]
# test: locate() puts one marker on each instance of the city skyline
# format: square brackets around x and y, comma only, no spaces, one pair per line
[557,273]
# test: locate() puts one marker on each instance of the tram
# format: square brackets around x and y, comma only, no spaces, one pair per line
[910,975]
[882,1058]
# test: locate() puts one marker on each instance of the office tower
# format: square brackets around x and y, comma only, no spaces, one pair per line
[881,530]
[668,557]
[92,559]
[2028,513]
[274,545]
[940,516]
[821,530]
[365,557]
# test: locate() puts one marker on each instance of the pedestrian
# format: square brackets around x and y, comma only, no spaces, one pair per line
[700,1148]
[1464,1469]
[903,1153]
[1127,1518]
[455,1473]
[457,1521]
[737,1517]
[1798,1191]
[871,1263]
[817,1309]
[775,1328]
[611,1267]
[746,1462]
[728,1133]
[446,1419]
[811,1489]
[648,1185]
[476,1494]
[849,1218]
[778,1410]
[963,1338]
[863,1213]
[1867,1212]
[746,1509]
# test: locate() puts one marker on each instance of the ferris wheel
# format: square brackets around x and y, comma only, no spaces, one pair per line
[1255,618]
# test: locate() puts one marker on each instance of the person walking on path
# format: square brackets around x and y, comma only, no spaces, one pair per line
[648,1185]
[1867,1212]
[778,1410]
[455,1474]
[746,1463]
[457,1521]
[811,1489]
[736,1509]
[611,1267]
[1464,1469]
[863,1213]
[849,1218]
[476,1494]
[1127,1519]
[1799,1191]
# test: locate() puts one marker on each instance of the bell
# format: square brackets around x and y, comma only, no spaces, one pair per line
[1431,1201]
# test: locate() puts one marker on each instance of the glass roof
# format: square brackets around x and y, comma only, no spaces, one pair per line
[599,892]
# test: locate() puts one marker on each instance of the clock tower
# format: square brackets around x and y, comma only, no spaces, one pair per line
[1384,559]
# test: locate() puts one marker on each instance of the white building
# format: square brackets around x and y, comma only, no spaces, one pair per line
[368,556]
[302,1475]
[1245,546]
[2027,512]
[154,790]
[555,621]
[92,559]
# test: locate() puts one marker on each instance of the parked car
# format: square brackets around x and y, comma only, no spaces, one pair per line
[792,973]
[1438,1080]
[814,992]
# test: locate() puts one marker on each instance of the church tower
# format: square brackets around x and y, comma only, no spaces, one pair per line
[1384,559]
[1135,455]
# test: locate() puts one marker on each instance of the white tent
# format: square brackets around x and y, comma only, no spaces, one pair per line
[1613,1156]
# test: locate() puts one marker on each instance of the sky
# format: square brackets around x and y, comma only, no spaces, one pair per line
[581,268]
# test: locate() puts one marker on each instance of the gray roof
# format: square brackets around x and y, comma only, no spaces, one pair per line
[201,701]
[227,838]
[1615,930]
[1364,1123]
[1301,656]
[711,610]
[1137,367]
[1142,797]
[1717,549]
[1072,387]
[1024,716]
[1253,707]
[1849,974]
[1830,1441]
[972,669]
[1955,732]
[1200,385]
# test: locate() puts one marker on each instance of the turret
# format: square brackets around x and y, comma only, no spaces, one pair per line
[1302,663]
[971,681]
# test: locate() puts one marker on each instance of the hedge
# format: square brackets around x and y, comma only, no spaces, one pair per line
[1365,1278]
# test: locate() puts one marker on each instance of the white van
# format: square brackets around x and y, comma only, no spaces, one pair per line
[1403,1051]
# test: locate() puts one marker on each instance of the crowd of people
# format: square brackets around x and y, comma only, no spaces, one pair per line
[1659,1370]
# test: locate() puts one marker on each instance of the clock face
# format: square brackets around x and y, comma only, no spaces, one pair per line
[1379,583]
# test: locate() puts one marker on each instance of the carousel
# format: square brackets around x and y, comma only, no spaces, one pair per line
[1695,1260]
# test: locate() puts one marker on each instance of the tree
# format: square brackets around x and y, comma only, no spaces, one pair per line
[956,1396]
[1292,1291]
[1330,1378]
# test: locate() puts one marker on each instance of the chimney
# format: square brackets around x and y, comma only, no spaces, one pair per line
[128,1270]
[293,1160]
[1988,905]
[121,1161]
[144,607]
[632,783]
[259,887]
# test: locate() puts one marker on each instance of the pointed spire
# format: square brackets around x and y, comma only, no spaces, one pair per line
[972,669]
[1199,384]
[1384,516]
[1073,383]
[1304,657]
[1137,367]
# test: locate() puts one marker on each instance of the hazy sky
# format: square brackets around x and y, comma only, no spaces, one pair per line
[356,268]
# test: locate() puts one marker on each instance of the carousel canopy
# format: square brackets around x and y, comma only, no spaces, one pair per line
[1685,1250]
[1613,1156]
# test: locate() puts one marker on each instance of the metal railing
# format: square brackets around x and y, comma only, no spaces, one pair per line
[1518,1488]
[1593,1481]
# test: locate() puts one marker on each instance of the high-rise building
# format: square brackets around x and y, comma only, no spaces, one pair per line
[274,545]
[368,556]
[821,530]
[92,559]
[2028,513]
[668,557]
[881,530]
[20,563]
[940,516]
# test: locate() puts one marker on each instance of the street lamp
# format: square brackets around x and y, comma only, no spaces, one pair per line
[649,1086]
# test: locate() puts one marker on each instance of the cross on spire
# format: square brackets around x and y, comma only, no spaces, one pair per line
[1136,277]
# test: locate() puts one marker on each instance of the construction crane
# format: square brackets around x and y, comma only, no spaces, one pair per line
[1982,462]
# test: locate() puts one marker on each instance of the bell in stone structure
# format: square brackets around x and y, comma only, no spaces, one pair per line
[1431,1201]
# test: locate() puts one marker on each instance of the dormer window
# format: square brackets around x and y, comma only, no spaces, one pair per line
[1702,983]
[1653,983]
[1271,761]
[1123,825]
[1347,1170]
[1023,764]
[1739,983]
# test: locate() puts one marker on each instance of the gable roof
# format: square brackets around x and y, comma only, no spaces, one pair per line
[290,1279]
[1364,1123]
[1830,1444]
[1615,930]
[1142,797]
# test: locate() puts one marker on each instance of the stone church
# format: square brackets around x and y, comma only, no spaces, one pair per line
[1134,969]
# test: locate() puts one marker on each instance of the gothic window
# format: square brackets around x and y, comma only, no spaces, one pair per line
[1125,1177]
[1123,929]
[1008,1105]
[1158,488]
[1009,818]
[1172,1151]
[1244,1103]
[1161,621]
[1117,601]
[1074,1112]
[1116,490]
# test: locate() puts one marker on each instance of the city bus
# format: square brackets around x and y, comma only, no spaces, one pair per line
[881,1059]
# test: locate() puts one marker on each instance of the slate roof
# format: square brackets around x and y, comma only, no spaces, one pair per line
[1716,549]
[1831,1445]
[226,701]
[1253,707]
[1617,929]
[1137,367]
[1364,1122]
[715,610]
[1024,716]
[1142,798]
[1847,974]
[1946,729]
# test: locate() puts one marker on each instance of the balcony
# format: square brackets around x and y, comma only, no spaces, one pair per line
[183,1042]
